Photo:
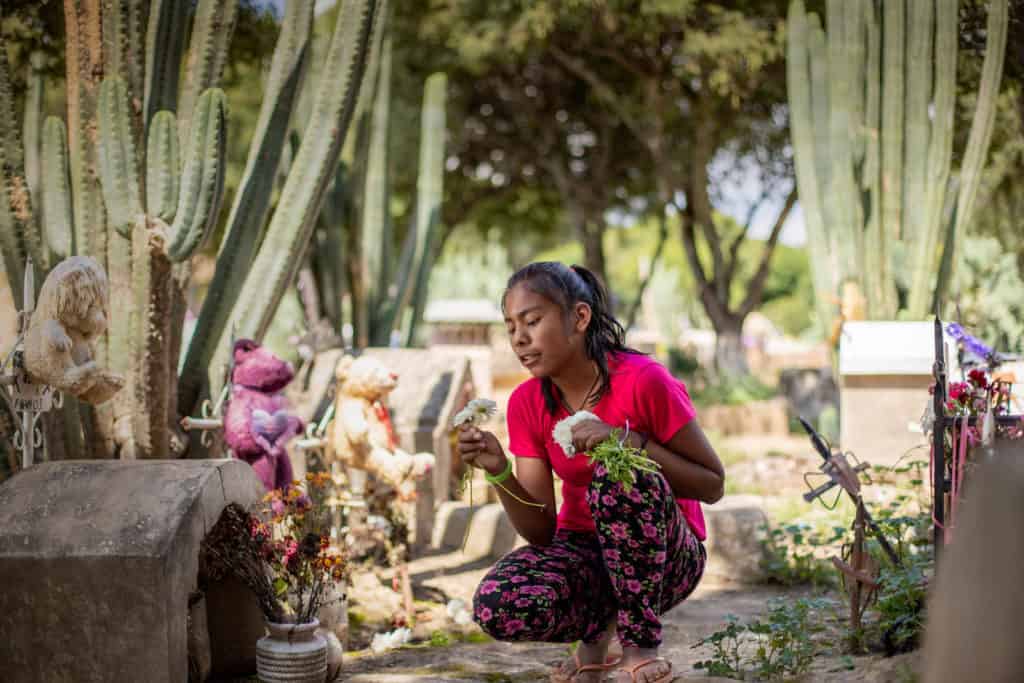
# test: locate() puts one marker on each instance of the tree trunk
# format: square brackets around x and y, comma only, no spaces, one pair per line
[590,234]
[593,248]
[730,356]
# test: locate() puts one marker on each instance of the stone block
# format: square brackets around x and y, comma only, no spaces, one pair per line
[736,529]
[98,560]
[450,522]
[491,533]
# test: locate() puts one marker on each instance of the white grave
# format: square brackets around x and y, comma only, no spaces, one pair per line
[885,369]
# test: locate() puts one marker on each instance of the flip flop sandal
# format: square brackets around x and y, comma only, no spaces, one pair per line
[561,677]
[664,678]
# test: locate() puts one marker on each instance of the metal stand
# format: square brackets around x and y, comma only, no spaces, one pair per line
[346,504]
[26,399]
[858,573]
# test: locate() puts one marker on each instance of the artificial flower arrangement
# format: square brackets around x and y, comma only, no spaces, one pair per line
[282,552]
[978,396]
[620,459]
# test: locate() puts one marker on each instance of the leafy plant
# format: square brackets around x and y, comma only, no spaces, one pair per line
[791,555]
[733,390]
[781,644]
[902,592]
[725,643]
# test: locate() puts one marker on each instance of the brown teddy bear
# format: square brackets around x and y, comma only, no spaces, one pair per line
[361,435]
[69,317]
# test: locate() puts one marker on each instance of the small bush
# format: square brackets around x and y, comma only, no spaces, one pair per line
[733,391]
[780,645]
[791,557]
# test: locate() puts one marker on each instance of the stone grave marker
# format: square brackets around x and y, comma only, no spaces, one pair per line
[99,567]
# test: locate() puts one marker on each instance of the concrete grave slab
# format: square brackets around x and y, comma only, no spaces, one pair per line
[99,559]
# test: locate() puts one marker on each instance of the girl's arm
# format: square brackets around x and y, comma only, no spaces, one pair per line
[532,483]
[688,461]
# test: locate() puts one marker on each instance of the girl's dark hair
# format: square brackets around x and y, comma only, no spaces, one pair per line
[566,286]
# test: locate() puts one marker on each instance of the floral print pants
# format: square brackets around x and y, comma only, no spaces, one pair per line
[642,561]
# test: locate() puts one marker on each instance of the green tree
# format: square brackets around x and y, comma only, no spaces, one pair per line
[686,91]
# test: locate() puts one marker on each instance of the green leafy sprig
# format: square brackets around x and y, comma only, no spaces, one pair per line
[621,460]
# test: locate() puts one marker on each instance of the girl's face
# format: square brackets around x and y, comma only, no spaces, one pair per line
[541,336]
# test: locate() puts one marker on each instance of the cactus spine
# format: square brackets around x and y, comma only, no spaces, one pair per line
[885,87]
[119,174]
[19,236]
[977,141]
[162,163]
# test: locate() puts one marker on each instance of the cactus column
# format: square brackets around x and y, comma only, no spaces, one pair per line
[871,118]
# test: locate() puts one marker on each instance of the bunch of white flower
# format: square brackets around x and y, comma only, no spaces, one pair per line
[382,642]
[562,432]
[475,412]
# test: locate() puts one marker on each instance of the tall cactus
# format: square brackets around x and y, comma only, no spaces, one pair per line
[429,193]
[392,295]
[19,232]
[871,118]
[252,200]
[138,186]
[287,237]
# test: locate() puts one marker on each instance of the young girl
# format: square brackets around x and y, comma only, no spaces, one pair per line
[611,561]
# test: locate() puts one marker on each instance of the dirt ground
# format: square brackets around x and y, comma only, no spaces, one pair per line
[471,657]
[772,468]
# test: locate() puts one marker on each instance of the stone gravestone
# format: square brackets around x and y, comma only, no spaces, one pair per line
[99,567]
[809,391]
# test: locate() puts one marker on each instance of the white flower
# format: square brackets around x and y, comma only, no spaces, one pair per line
[458,613]
[563,430]
[382,642]
[475,412]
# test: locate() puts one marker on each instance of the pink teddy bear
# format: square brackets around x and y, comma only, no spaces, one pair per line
[257,425]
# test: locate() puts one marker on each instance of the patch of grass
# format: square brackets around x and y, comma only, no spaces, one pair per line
[793,509]
[440,639]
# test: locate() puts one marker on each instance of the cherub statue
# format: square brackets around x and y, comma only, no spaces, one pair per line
[70,314]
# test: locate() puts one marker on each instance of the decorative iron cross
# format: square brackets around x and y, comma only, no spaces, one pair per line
[26,399]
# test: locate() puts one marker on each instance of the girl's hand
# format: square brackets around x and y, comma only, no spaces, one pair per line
[479,448]
[589,433]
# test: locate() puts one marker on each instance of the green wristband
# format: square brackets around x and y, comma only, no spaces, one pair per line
[498,478]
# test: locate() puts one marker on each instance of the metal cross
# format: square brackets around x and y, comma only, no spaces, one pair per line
[26,399]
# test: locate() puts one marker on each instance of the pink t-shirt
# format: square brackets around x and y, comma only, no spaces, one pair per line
[642,391]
